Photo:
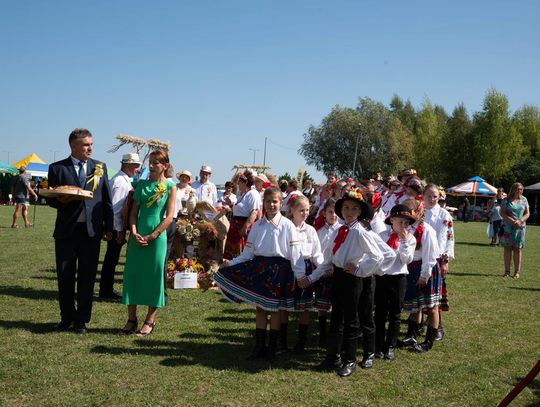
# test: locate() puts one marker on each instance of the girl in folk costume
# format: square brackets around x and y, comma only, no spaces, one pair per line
[244,213]
[440,220]
[353,254]
[423,282]
[313,257]
[267,272]
[391,286]
[323,287]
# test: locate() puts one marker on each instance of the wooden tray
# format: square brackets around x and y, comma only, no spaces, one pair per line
[77,193]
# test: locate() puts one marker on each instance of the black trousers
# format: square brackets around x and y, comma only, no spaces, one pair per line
[76,265]
[344,324]
[389,295]
[365,313]
[110,262]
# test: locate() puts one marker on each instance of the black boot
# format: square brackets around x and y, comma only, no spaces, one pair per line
[300,346]
[367,361]
[440,332]
[428,342]
[322,331]
[272,345]
[282,344]
[260,346]
[332,361]
[410,336]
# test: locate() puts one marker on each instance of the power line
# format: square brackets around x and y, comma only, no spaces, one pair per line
[281,146]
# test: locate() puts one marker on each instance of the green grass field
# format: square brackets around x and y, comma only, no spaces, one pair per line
[196,355]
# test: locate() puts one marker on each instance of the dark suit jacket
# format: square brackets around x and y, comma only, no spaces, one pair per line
[99,212]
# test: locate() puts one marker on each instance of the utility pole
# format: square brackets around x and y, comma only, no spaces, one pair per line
[254,153]
[8,160]
[264,155]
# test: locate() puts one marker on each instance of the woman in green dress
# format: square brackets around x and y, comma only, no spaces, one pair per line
[515,212]
[147,247]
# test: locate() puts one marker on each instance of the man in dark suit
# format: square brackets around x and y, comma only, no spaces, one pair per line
[80,225]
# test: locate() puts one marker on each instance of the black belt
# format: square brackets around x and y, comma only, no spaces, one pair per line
[240,217]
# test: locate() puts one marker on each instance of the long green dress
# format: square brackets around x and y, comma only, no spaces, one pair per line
[144,270]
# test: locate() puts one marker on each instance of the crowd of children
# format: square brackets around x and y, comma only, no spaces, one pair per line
[375,249]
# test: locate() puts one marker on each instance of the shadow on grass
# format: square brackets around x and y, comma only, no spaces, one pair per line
[457,274]
[48,327]
[53,278]
[535,386]
[525,288]
[472,244]
[29,293]
[219,356]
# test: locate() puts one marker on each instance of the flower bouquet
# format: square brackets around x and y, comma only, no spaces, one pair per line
[183,273]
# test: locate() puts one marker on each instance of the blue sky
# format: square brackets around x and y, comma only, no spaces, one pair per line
[214,78]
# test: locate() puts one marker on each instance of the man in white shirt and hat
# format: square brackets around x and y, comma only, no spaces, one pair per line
[120,186]
[204,189]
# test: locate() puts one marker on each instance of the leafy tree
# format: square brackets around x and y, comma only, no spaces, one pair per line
[457,162]
[404,111]
[497,145]
[400,151]
[527,122]
[428,134]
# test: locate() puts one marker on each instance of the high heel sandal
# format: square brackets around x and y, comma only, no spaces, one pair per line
[152,325]
[127,331]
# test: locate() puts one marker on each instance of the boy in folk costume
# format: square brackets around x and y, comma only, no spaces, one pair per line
[441,220]
[391,286]
[423,282]
[353,255]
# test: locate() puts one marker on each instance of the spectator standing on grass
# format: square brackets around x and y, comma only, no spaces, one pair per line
[515,212]
[120,186]
[20,192]
[80,225]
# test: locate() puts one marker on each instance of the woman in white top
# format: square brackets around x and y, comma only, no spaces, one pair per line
[266,272]
[391,283]
[244,213]
[183,188]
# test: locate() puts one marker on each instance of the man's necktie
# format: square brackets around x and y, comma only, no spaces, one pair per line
[82,174]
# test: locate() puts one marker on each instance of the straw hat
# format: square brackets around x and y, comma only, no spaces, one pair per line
[261,177]
[206,168]
[186,173]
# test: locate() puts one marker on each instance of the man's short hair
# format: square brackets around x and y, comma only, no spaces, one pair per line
[78,134]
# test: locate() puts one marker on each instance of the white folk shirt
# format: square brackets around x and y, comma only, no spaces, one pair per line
[271,238]
[310,246]
[205,192]
[441,220]
[182,195]
[389,256]
[404,254]
[247,203]
[120,186]
[429,251]
[359,248]
[327,234]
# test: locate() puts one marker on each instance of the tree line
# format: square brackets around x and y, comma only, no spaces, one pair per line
[494,143]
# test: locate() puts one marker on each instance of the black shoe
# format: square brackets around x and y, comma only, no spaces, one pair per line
[329,364]
[62,326]
[428,342]
[390,354]
[80,328]
[113,295]
[367,361]
[259,350]
[347,369]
